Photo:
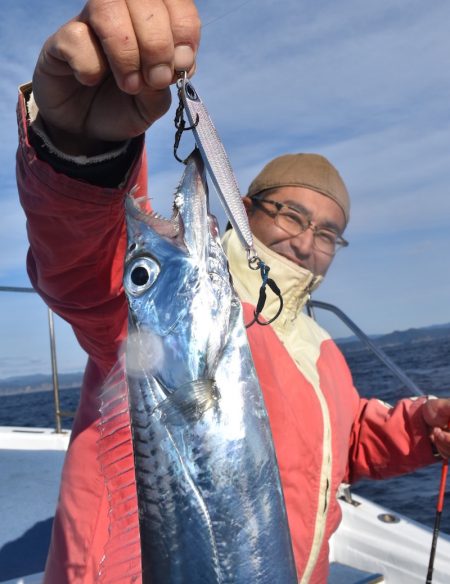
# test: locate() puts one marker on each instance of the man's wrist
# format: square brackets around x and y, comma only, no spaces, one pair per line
[109,171]
[75,146]
[104,164]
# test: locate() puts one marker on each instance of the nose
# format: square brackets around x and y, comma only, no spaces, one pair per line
[303,243]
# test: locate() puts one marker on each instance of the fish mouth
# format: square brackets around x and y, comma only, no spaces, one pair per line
[137,209]
[168,259]
[189,224]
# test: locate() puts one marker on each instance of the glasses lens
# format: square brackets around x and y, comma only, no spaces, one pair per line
[294,223]
[326,241]
[291,222]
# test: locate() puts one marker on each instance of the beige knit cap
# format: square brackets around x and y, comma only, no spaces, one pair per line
[311,171]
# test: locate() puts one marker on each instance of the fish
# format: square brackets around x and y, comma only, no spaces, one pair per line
[185,442]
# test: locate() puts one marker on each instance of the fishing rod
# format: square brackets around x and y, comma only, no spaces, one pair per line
[437,520]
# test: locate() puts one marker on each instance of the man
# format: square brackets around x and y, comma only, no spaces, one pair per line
[99,83]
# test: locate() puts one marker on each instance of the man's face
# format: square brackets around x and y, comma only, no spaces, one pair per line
[322,211]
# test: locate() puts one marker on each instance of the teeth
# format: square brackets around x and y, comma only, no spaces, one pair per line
[175,225]
[140,201]
[133,190]
[178,201]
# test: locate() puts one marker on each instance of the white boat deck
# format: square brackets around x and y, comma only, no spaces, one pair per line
[30,466]
[398,548]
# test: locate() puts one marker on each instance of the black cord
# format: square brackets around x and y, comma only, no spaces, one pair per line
[266,281]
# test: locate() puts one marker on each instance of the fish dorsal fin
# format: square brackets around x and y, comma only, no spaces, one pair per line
[122,555]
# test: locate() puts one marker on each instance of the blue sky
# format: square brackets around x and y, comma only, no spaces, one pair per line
[365,84]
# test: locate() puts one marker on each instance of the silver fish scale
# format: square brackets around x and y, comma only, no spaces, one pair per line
[217,162]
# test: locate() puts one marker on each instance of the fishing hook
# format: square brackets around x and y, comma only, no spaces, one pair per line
[180,125]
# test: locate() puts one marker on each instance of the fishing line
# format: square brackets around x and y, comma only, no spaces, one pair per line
[235,9]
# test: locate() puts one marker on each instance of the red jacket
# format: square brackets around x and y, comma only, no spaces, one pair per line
[323,431]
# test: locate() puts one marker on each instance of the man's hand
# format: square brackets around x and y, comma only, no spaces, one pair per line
[436,413]
[105,75]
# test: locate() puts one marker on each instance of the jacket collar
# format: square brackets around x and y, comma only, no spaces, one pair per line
[296,283]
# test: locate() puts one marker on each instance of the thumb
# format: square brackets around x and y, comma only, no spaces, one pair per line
[436,412]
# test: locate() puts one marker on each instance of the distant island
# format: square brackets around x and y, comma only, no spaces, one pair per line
[42,382]
[409,336]
[39,382]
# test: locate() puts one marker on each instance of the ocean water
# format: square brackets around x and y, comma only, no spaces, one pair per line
[427,363]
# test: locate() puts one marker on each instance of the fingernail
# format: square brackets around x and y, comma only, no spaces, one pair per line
[159,76]
[132,82]
[183,58]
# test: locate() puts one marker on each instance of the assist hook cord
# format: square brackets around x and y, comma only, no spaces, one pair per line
[257,264]
[180,125]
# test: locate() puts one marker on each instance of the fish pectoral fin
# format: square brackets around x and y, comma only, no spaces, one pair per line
[189,402]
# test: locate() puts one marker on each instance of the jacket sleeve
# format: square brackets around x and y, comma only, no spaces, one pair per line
[387,441]
[77,237]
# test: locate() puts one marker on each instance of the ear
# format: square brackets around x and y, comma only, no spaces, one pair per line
[248,204]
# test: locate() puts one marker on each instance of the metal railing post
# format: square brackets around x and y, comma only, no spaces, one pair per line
[51,328]
[58,412]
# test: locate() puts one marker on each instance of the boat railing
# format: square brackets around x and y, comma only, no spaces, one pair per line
[59,414]
[376,350]
[311,306]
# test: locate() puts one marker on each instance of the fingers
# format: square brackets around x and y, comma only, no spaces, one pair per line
[145,41]
[436,412]
[111,66]
[111,25]
[74,50]
[186,27]
[441,440]
[155,42]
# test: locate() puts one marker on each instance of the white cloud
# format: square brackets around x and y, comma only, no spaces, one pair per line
[363,83]
[399,179]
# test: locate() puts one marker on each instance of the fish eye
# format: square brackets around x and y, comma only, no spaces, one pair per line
[140,275]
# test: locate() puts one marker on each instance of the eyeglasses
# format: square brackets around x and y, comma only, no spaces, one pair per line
[294,222]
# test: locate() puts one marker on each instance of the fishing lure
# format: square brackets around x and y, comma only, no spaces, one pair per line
[221,173]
